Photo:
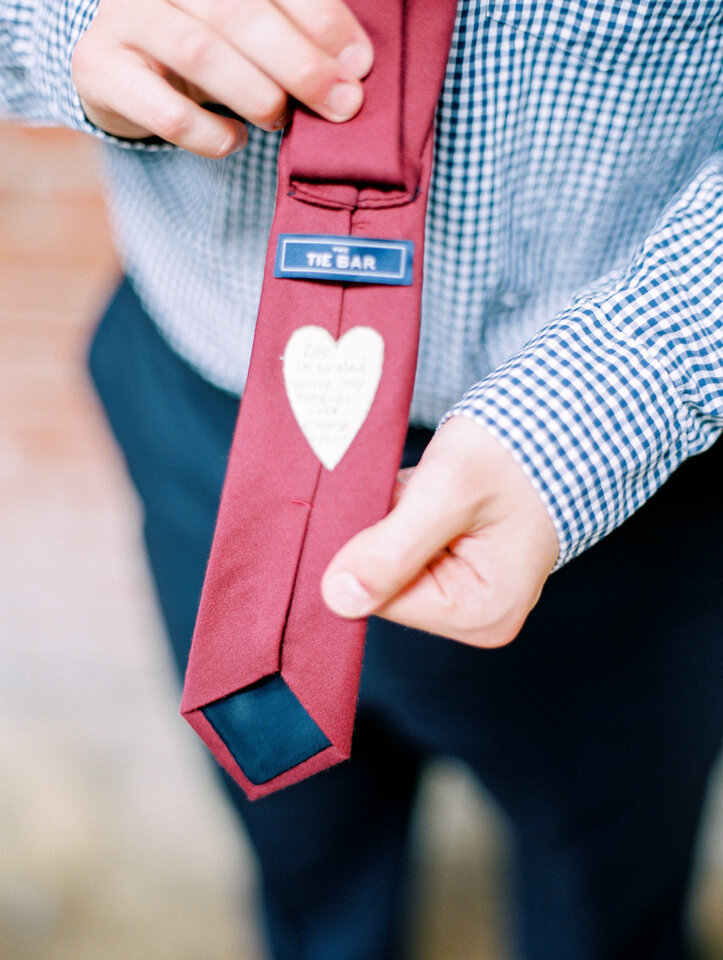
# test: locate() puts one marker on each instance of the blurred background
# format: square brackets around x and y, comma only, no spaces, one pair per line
[113,840]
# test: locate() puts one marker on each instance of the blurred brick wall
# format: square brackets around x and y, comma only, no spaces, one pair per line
[114,842]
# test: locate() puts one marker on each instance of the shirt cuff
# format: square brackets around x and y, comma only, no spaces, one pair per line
[595,441]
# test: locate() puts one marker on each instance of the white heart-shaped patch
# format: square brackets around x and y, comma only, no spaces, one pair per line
[331,385]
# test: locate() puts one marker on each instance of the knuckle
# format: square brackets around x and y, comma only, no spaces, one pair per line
[191,49]
[492,640]
[328,26]
[270,108]
[171,122]
[476,619]
[224,147]
[311,79]
[223,11]
[482,639]
[258,22]
[491,637]
[467,617]
[499,628]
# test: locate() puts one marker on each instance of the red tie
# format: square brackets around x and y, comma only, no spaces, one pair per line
[273,675]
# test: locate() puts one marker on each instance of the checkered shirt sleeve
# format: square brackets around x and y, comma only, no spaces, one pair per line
[612,395]
[37,39]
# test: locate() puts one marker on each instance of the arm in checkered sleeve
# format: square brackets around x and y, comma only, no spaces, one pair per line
[37,38]
[611,396]
[581,427]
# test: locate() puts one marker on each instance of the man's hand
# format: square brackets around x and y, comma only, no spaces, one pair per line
[464,552]
[144,67]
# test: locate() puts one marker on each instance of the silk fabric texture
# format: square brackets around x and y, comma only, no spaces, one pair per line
[273,675]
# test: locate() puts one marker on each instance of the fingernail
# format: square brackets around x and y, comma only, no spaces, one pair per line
[241,140]
[357,58]
[346,596]
[344,101]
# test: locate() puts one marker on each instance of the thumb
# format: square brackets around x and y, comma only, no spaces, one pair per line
[380,561]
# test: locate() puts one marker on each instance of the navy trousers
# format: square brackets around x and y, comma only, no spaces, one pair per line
[596,729]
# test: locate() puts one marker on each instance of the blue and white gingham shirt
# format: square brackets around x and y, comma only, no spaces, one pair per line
[573,293]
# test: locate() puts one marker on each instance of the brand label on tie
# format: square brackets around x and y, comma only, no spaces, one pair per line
[355,259]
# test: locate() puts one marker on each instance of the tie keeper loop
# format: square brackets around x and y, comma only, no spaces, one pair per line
[344,196]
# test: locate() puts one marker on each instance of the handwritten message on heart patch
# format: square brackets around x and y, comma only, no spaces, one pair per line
[331,385]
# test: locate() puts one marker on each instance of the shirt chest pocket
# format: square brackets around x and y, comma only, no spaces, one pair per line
[615,34]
